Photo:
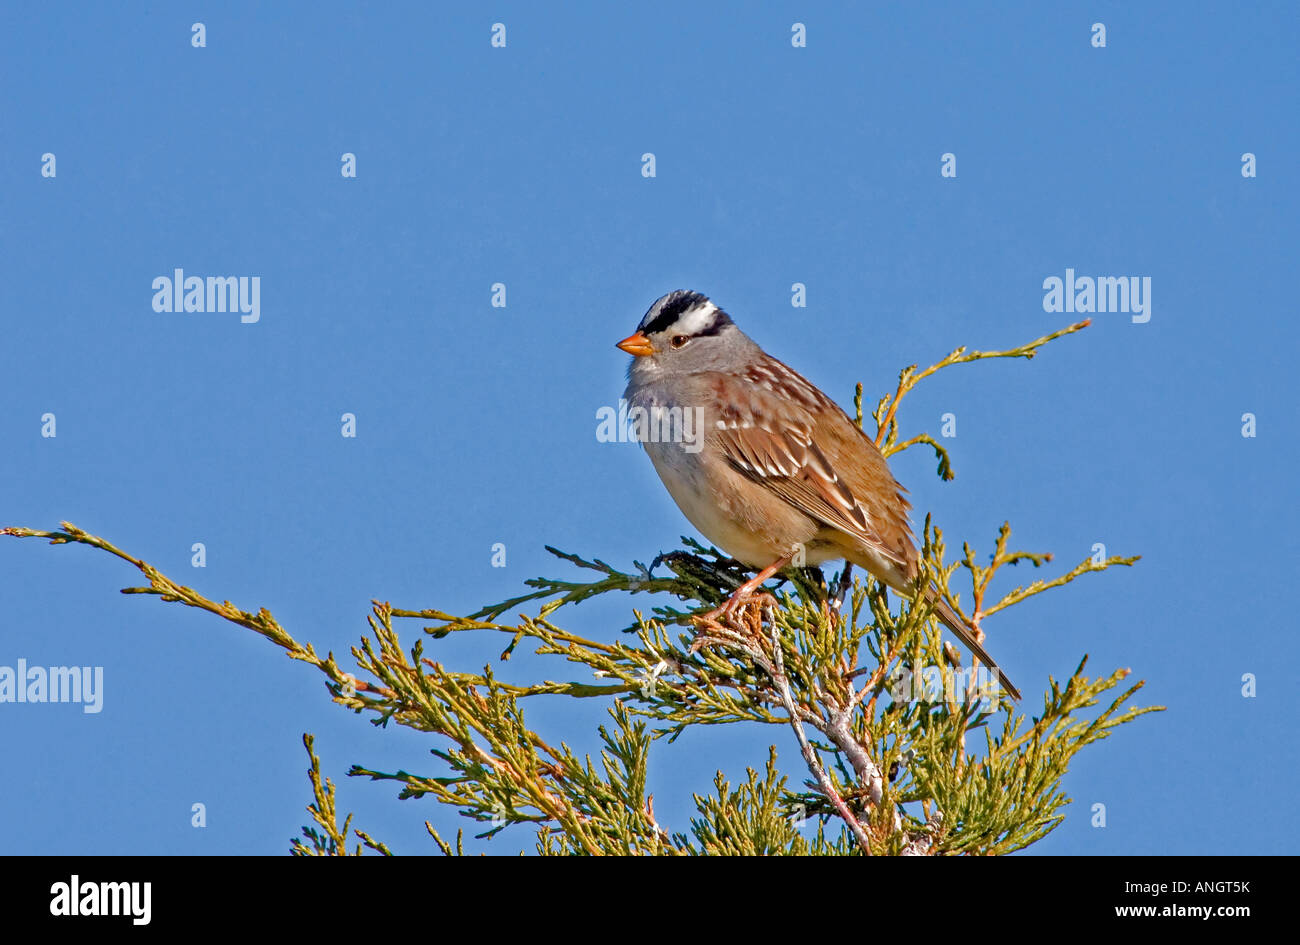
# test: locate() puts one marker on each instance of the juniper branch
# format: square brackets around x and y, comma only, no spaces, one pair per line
[886,410]
[333,840]
[798,660]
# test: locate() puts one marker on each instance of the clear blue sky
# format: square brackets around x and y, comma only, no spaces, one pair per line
[522,165]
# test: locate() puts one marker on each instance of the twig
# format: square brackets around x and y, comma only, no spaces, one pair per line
[827,787]
[886,424]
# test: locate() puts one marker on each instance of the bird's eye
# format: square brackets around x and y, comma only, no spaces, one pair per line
[679,341]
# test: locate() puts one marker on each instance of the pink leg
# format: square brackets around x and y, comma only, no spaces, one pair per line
[747,589]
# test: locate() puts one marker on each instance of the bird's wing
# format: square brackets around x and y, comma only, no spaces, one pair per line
[783,433]
[790,438]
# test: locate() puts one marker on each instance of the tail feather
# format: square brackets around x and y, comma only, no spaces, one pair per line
[964,633]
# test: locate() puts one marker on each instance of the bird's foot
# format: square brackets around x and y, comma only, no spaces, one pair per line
[737,604]
[738,623]
[744,595]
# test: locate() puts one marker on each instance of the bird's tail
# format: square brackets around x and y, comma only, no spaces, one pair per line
[964,633]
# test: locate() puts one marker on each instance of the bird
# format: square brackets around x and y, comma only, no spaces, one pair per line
[769,469]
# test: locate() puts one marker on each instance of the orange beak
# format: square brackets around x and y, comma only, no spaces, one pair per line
[638,345]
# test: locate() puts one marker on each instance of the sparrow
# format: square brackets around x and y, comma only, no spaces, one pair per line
[772,470]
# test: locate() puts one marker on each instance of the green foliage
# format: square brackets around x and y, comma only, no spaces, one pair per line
[887,765]
[331,839]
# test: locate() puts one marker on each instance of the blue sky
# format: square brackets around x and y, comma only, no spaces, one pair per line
[476,425]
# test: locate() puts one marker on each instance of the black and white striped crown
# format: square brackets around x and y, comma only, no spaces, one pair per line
[685,313]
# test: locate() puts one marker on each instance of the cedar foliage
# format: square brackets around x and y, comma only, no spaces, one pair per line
[891,761]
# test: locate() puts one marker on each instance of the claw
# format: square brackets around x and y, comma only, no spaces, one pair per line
[743,594]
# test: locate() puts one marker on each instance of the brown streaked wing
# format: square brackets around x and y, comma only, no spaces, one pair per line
[776,442]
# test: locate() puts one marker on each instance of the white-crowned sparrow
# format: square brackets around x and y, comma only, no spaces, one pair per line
[775,470]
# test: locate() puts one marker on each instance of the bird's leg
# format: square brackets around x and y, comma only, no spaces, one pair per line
[746,590]
[835,592]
